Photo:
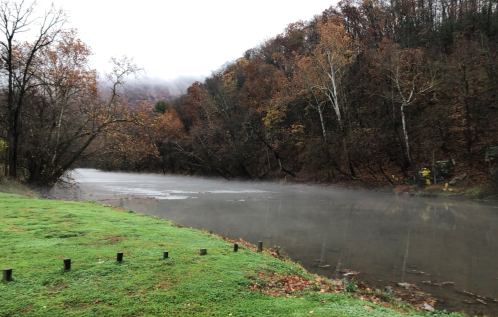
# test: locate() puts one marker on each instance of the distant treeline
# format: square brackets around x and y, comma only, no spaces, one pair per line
[372,90]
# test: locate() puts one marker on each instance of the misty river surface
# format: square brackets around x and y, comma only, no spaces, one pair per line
[390,239]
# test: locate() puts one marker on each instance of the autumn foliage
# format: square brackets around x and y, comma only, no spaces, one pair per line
[368,91]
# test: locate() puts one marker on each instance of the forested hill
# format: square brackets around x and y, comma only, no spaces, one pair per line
[367,90]
[151,90]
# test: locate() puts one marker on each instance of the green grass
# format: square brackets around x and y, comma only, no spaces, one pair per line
[35,235]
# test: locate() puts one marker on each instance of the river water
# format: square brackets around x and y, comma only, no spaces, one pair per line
[390,239]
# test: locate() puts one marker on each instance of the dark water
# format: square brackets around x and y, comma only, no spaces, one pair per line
[386,237]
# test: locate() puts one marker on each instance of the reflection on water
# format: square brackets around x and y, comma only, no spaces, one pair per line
[388,238]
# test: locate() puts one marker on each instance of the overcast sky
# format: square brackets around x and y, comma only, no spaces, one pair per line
[178,38]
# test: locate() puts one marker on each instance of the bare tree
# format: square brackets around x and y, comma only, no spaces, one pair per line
[18,62]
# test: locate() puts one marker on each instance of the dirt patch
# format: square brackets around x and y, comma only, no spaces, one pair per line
[17,230]
[58,286]
[114,239]
[162,285]
[27,309]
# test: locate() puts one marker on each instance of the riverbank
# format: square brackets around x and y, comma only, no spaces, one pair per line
[467,190]
[16,188]
[38,234]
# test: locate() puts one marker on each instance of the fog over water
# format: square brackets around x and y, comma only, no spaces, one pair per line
[390,239]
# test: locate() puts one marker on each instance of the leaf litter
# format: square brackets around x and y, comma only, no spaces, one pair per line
[282,285]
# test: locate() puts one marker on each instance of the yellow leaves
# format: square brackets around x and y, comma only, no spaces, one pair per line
[242,62]
[335,42]
[275,115]
[297,129]
[229,84]
[425,172]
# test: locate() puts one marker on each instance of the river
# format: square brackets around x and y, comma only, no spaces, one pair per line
[388,238]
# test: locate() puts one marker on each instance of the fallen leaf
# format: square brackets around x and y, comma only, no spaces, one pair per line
[367,307]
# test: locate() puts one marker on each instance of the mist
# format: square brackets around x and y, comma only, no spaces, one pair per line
[151,89]
[177,86]
[386,237]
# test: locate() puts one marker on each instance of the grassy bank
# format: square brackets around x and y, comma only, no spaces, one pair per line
[16,188]
[35,236]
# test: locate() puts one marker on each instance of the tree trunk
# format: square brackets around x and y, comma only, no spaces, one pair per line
[407,146]
[320,112]
[13,148]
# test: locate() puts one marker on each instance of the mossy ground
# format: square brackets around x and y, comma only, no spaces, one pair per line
[35,236]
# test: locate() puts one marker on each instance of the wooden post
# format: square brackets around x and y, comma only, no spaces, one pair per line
[203,251]
[235,247]
[67,264]
[260,246]
[7,275]
[120,257]
[165,256]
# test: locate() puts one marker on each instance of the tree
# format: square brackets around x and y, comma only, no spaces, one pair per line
[323,74]
[331,60]
[412,77]
[64,112]
[162,107]
[139,143]
[18,62]
[58,107]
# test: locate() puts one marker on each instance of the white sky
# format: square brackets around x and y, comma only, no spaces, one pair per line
[180,38]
